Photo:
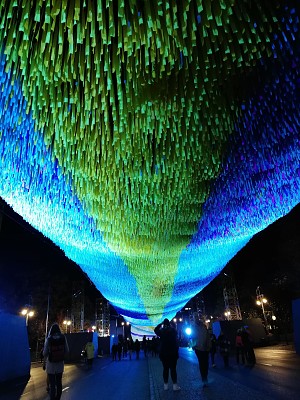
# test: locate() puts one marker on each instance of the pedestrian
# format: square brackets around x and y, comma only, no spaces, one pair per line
[137,348]
[213,349]
[145,346]
[90,353]
[154,346]
[168,352]
[120,347]
[114,351]
[248,345]
[55,350]
[130,346]
[239,347]
[224,346]
[125,348]
[201,344]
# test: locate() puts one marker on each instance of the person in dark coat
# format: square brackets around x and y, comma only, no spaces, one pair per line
[213,349]
[114,351]
[239,347]
[248,346]
[137,348]
[224,346]
[168,352]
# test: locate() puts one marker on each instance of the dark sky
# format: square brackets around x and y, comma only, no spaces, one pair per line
[271,258]
[29,263]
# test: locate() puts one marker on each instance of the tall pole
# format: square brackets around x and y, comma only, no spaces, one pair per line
[260,301]
[47,316]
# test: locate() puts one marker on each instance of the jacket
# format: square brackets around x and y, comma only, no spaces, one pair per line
[168,341]
[201,340]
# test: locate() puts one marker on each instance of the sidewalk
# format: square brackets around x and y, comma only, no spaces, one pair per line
[220,387]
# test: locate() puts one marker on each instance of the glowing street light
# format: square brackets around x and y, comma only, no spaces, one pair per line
[260,301]
[67,323]
[227,315]
[28,313]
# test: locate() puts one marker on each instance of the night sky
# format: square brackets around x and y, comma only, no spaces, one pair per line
[270,260]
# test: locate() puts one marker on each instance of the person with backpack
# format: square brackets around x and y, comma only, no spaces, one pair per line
[55,349]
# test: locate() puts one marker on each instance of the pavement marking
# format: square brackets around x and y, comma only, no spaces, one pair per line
[66,388]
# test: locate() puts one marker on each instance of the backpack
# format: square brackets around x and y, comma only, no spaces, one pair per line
[56,348]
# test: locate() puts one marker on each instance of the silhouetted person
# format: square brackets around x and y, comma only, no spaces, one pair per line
[137,348]
[114,351]
[248,346]
[56,347]
[145,346]
[168,352]
[239,347]
[213,348]
[224,347]
[201,346]
[130,346]
[119,351]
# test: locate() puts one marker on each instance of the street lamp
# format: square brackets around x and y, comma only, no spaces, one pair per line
[67,323]
[260,301]
[227,315]
[28,313]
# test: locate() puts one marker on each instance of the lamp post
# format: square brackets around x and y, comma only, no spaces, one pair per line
[227,315]
[261,301]
[28,313]
[67,323]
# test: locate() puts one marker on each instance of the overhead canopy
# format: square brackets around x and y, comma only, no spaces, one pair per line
[150,140]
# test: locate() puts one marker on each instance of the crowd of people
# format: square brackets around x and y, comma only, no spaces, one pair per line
[128,348]
[165,345]
[206,345]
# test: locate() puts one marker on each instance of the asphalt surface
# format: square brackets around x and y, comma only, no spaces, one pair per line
[274,377]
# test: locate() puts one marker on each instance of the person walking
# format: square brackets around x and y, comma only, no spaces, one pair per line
[224,346]
[90,350]
[137,348]
[248,346]
[168,352]
[239,347]
[120,348]
[213,349]
[145,346]
[130,346]
[114,351]
[201,346]
[55,349]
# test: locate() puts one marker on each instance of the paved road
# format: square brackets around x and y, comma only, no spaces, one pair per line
[275,377]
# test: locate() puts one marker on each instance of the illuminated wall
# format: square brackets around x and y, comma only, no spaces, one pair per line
[150,140]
